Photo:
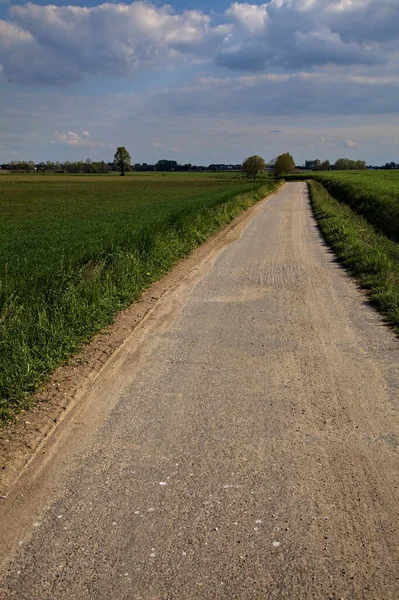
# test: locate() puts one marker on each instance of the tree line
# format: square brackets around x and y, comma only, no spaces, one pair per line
[341,164]
[90,166]
[80,166]
[346,164]
[252,166]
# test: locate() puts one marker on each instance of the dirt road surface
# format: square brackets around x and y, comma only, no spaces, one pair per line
[244,445]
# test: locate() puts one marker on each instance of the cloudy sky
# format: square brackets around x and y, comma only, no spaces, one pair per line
[200,81]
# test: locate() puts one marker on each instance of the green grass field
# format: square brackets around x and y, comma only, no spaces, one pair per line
[74,250]
[372,194]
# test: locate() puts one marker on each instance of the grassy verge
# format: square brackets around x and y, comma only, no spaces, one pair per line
[371,194]
[370,256]
[54,297]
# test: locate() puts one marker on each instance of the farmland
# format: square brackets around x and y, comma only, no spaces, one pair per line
[74,250]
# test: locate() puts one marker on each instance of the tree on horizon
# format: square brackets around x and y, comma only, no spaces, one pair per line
[254,165]
[122,160]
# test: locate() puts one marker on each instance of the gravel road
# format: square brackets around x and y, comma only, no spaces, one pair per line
[246,447]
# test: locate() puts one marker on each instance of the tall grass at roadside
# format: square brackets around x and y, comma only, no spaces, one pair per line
[75,251]
[370,256]
[372,194]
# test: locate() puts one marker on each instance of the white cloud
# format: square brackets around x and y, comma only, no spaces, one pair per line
[60,44]
[75,139]
[248,17]
[324,142]
[109,39]
[293,34]
[23,59]
[391,141]
[334,142]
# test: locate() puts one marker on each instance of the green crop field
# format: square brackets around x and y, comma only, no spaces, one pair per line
[372,194]
[74,250]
